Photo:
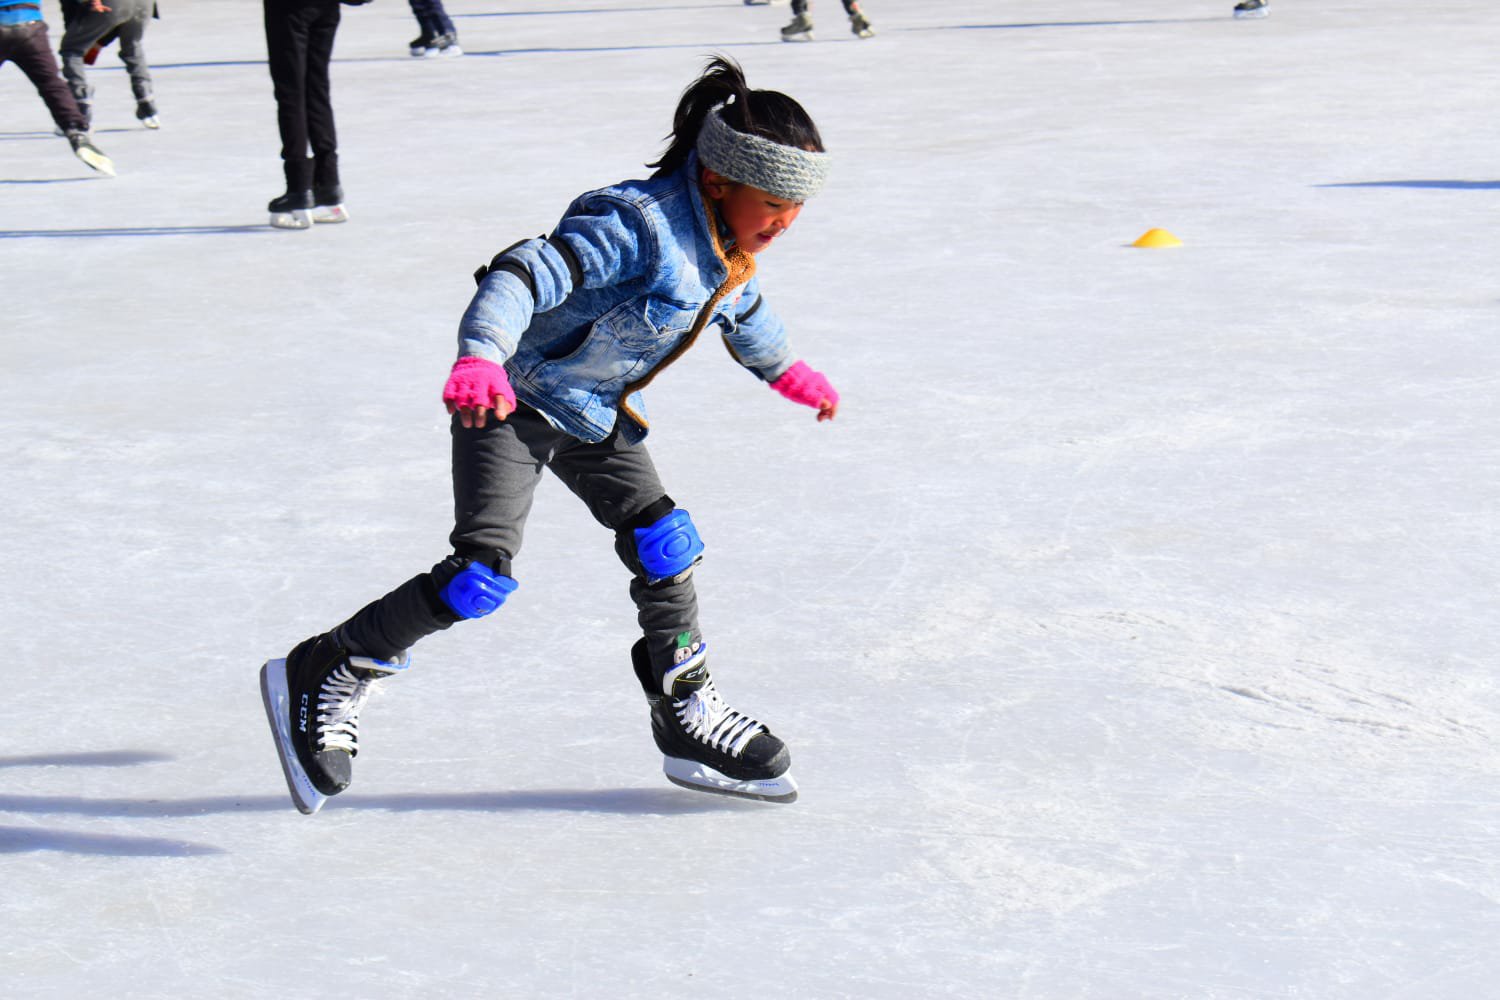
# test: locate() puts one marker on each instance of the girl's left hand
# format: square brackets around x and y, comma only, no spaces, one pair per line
[802,384]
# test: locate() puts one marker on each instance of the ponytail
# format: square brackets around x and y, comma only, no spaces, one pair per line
[768,114]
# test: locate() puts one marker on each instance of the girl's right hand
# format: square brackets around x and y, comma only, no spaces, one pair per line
[475,386]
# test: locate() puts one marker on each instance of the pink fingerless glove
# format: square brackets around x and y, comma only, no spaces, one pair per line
[474,383]
[801,384]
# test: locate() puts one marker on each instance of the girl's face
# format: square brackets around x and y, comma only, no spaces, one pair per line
[755,217]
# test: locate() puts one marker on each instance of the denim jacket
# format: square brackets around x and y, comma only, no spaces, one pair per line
[583,318]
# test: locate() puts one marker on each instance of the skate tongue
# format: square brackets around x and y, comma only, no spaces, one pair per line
[688,676]
[368,666]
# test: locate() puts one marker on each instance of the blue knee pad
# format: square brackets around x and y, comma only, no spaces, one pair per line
[669,547]
[477,591]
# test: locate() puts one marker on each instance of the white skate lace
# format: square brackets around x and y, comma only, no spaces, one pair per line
[342,696]
[706,717]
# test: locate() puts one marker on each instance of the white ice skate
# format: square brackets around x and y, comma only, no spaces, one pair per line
[799,30]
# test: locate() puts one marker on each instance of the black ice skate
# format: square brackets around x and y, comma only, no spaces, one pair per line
[145,113]
[421,44]
[1252,8]
[860,25]
[706,745]
[292,210]
[313,699]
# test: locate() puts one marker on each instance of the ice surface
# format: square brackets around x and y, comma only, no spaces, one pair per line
[1132,628]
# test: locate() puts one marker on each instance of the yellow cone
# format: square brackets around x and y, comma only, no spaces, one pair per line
[1157,238]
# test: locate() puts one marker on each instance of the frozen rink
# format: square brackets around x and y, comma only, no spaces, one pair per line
[1133,627]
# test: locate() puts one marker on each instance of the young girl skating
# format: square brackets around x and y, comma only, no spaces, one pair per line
[554,350]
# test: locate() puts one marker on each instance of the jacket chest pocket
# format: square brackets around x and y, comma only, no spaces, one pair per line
[621,346]
[643,325]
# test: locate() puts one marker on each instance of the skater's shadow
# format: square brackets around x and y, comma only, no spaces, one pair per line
[22,840]
[49,180]
[26,839]
[74,234]
[551,50]
[97,758]
[41,134]
[1438,185]
[1030,25]
[586,10]
[625,801]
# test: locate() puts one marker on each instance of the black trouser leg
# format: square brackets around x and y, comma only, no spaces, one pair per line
[27,46]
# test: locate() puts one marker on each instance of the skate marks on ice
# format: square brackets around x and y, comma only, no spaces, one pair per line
[1249,674]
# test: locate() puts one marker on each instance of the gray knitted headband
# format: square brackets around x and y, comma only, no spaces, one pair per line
[785,171]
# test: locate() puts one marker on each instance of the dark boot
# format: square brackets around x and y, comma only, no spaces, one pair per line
[313,699]
[293,210]
[707,745]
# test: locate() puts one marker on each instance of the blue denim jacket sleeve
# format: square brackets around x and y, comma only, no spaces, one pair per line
[600,241]
[757,338]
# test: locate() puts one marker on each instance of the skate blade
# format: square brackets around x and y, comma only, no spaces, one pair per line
[702,778]
[274,695]
[299,218]
[151,122]
[330,213]
[1249,15]
[804,36]
[98,161]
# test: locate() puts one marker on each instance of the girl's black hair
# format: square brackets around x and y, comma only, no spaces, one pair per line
[766,113]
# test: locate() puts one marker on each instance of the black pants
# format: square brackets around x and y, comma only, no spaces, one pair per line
[432,18]
[127,19]
[800,6]
[26,45]
[496,470]
[299,44]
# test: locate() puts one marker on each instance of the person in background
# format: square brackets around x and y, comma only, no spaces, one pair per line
[438,37]
[88,24]
[23,41]
[801,26]
[299,45]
